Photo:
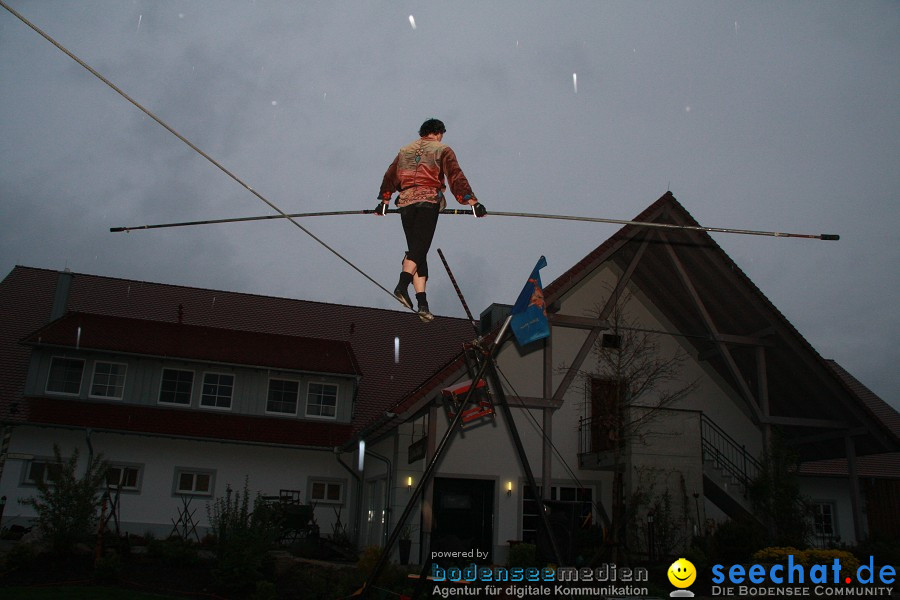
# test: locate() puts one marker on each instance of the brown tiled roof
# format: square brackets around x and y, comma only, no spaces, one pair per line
[26,301]
[185,423]
[880,409]
[211,344]
[882,466]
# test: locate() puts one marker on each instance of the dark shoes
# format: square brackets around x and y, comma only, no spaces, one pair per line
[402,295]
[424,314]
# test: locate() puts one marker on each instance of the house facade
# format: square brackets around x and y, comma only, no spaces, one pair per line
[666,376]
[187,392]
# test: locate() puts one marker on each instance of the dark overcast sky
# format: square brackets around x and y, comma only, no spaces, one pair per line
[756,115]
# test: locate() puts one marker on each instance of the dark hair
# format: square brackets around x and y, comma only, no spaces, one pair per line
[431,126]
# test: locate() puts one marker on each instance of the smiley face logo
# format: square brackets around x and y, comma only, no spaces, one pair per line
[682,573]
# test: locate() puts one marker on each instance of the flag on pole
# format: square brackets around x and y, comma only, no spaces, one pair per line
[529,314]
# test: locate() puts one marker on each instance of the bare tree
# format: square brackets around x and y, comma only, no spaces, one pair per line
[628,385]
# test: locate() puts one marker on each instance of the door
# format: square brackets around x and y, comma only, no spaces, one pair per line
[463,520]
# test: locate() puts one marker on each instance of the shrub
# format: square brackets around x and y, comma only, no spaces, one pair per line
[173,552]
[66,504]
[523,555]
[735,540]
[243,538]
[21,556]
[108,568]
[809,558]
[392,576]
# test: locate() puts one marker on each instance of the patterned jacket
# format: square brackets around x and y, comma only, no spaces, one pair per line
[418,173]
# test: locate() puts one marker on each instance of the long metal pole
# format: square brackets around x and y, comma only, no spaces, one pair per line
[456,211]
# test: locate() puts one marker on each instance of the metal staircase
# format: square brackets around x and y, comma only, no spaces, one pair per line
[728,469]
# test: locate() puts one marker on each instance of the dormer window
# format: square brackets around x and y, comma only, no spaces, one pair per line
[109,380]
[176,387]
[65,375]
[321,400]
[218,389]
[282,397]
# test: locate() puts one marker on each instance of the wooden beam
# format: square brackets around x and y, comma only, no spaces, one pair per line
[736,374]
[601,323]
[803,422]
[532,402]
[574,322]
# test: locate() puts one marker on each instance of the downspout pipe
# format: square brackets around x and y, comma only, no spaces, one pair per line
[357,512]
[387,494]
[90,458]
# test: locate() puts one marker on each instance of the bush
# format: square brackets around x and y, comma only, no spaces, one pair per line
[243,538]
[523,555]
[108,568]
[66,504]
[809,558]
[735,540]
[392,576]
[174,552]
[21,556]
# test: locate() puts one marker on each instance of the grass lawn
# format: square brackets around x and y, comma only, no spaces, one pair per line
[75,593]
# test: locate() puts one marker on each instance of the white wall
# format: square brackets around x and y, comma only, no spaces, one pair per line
[266,469]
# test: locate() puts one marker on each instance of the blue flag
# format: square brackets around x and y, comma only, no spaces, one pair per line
[529,314]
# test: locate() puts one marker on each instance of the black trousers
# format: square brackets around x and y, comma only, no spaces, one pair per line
[419,222]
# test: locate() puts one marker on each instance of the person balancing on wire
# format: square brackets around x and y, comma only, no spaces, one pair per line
[418,173]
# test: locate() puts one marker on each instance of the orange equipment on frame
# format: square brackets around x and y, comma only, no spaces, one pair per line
[453,397]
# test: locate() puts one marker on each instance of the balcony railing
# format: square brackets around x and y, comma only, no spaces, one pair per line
[726,454]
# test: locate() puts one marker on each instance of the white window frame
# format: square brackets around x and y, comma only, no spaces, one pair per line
[217,397]
[296,400]
[50,376]
[328,484]
[97,363]
[27,479]
[177,490]
[820,538]
[556,492]
[162,380]
[337,391]
[139,477]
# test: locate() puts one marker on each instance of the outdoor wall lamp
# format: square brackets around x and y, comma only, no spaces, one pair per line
[509,488]
[409,482]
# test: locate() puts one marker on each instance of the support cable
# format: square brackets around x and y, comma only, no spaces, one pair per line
[192,146]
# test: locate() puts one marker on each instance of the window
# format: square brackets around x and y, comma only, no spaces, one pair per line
[823,523]
[109,380]
[582,498]
[321,400]
[329,492]
[124,477]
[65,375]
[194,482]
[605,421]
[176,386]
[283,395]
[217,390]
[40,470]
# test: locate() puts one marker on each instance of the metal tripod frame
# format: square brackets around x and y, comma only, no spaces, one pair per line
[487,366]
